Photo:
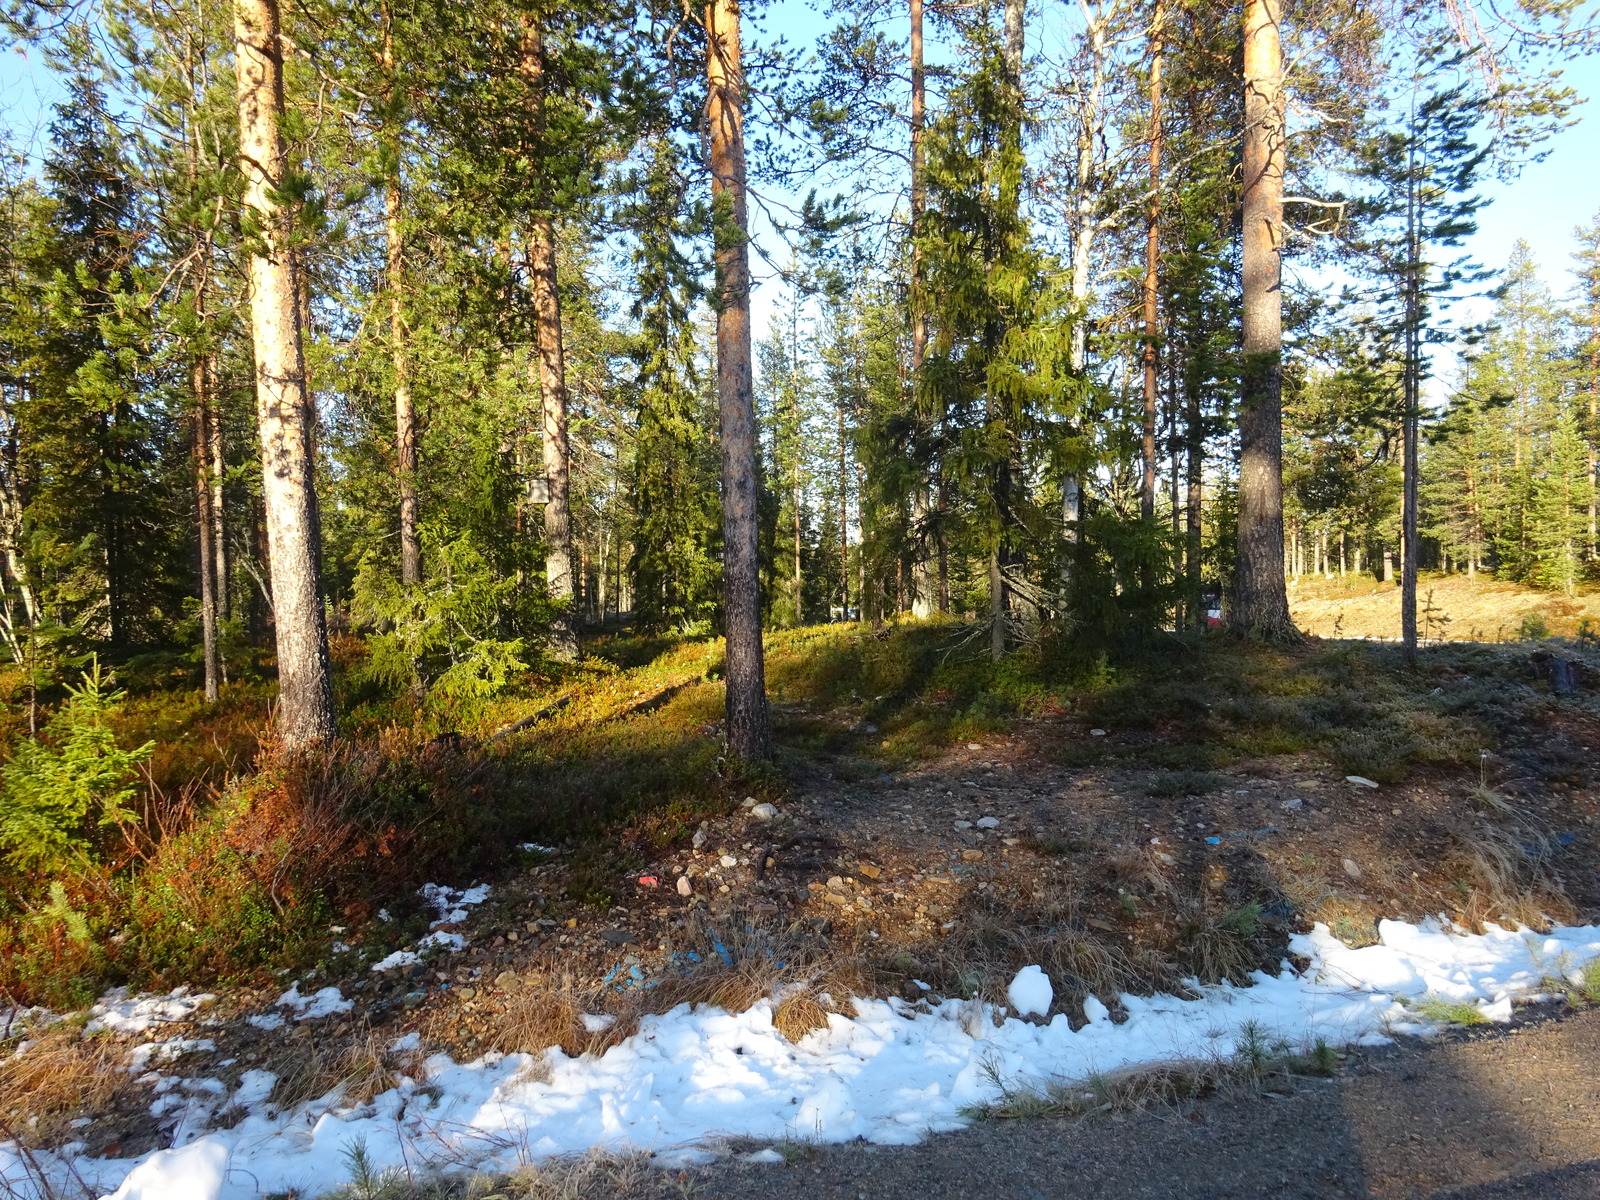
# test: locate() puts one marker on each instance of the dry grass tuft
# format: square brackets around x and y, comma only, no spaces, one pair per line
[1504,872]
[1224,947]
[594,1177]
[55,1078]
[1257,1065]
[799,1014]
[356,1071]
[533,1020]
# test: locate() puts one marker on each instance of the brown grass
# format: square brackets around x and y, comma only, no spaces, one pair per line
[1482,610]
[1258,1065]
[798,1014]
[1502,872]
[592,1177]
[56,1078]
[358,1070]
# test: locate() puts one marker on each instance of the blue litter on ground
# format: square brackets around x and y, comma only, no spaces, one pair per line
[1218,839]
[1557,843]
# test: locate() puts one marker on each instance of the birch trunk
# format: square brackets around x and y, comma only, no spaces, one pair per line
[749,736]
[283,399]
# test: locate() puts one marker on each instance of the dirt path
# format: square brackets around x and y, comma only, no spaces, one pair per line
[1501,1113]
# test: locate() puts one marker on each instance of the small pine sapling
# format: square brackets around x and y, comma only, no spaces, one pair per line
[55,791]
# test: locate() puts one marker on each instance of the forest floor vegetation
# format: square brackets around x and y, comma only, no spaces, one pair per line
[932,824]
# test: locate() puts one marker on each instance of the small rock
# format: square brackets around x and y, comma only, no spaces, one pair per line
[870,871]
[988,822]
[972,855]
[413,999]
[1394,812]
[1306,785]
[685,888]
[764,812]
[748,802]
[838,898]
[1360,781]
[619,937]
[871,728]
[699,838]
[1351,869]
[974,746]
[836,882]
[506,980]
[1097,733]
[729,860]
[1294,803]
[467,993]
[963,824]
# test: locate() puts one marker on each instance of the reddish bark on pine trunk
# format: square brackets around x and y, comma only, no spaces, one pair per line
[749,736]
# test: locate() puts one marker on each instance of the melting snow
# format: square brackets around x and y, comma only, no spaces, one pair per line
[123,1013]
[892,1074]
[324,1003]
[451,905]
[1030,992]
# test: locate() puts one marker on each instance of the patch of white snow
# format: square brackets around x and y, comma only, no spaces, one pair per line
[319,1004]
[1031,992]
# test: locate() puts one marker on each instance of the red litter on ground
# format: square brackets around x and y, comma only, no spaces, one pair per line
[649,881]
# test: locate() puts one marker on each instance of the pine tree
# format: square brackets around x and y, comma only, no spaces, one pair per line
[283,397]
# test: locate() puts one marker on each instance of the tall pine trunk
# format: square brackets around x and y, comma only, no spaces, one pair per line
[405,424]
[1152,266]
[749,736]
[1261,599]
[1005,562]
[922,582]
[1594,438]
[219,472]
[200,381]
[563,639]
[283,398]
[1411,418]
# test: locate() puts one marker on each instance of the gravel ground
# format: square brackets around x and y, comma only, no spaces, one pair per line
[1486,1113]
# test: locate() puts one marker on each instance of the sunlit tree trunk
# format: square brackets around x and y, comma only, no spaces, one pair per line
[563,640]
[283,398]
[219,472]
[922,583]
[200,382]
[1152,266]
[749,736]
[405,426]
[1261,599]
